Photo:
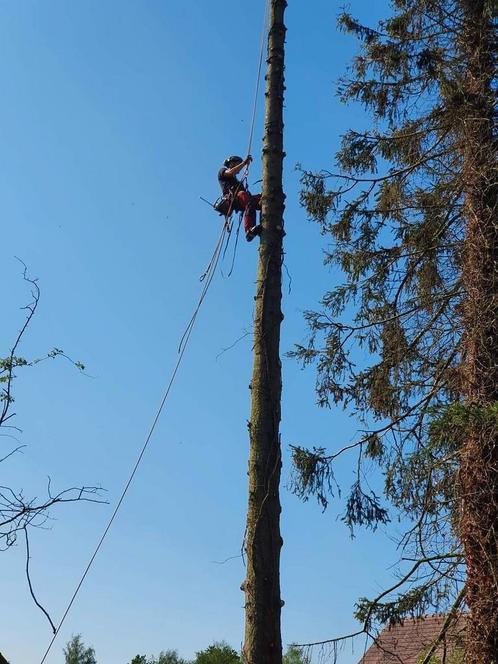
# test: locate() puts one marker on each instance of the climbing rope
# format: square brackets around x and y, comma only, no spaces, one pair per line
[234,248]
[207,278]
[264,35]
[229,234]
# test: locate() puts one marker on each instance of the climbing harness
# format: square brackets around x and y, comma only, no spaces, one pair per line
[225,208]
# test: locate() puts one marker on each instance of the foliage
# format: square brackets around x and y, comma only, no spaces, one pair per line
[75,652]
[395,212]
[168,657]
[294,655]
[164,657]
[218,653]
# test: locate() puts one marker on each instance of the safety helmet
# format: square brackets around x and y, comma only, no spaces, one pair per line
[234,159]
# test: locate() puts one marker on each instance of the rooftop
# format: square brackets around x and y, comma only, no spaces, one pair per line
[406,643]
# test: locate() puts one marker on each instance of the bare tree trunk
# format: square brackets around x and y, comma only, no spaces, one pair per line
[263,642]
[479,460]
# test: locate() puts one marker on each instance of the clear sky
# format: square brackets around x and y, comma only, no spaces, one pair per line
[115,118]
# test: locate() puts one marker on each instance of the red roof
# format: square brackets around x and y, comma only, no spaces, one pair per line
[406,643]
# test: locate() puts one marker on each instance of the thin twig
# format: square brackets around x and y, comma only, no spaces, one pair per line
[31,585]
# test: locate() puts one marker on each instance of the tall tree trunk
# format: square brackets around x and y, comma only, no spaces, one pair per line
[263,642]
[479,461]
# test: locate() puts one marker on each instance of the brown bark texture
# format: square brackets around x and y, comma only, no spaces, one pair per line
[479,456]
[263,643]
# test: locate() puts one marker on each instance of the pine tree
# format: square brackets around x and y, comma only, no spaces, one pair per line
[412,211]
[218,653]
[75,652]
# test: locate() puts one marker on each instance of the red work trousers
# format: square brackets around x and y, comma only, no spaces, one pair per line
[247,203]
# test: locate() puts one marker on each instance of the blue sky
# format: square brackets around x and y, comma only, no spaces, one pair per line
[115,118]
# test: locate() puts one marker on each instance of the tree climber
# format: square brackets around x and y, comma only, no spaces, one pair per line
[236,196]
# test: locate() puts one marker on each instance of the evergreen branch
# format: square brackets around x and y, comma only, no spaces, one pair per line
[402,172]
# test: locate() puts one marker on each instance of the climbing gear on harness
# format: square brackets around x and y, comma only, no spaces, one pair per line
[252,232]
[222,205]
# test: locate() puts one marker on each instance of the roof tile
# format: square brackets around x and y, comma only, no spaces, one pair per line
[407,642]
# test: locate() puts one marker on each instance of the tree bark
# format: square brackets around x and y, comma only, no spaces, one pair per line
[263,642]
[479,456]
